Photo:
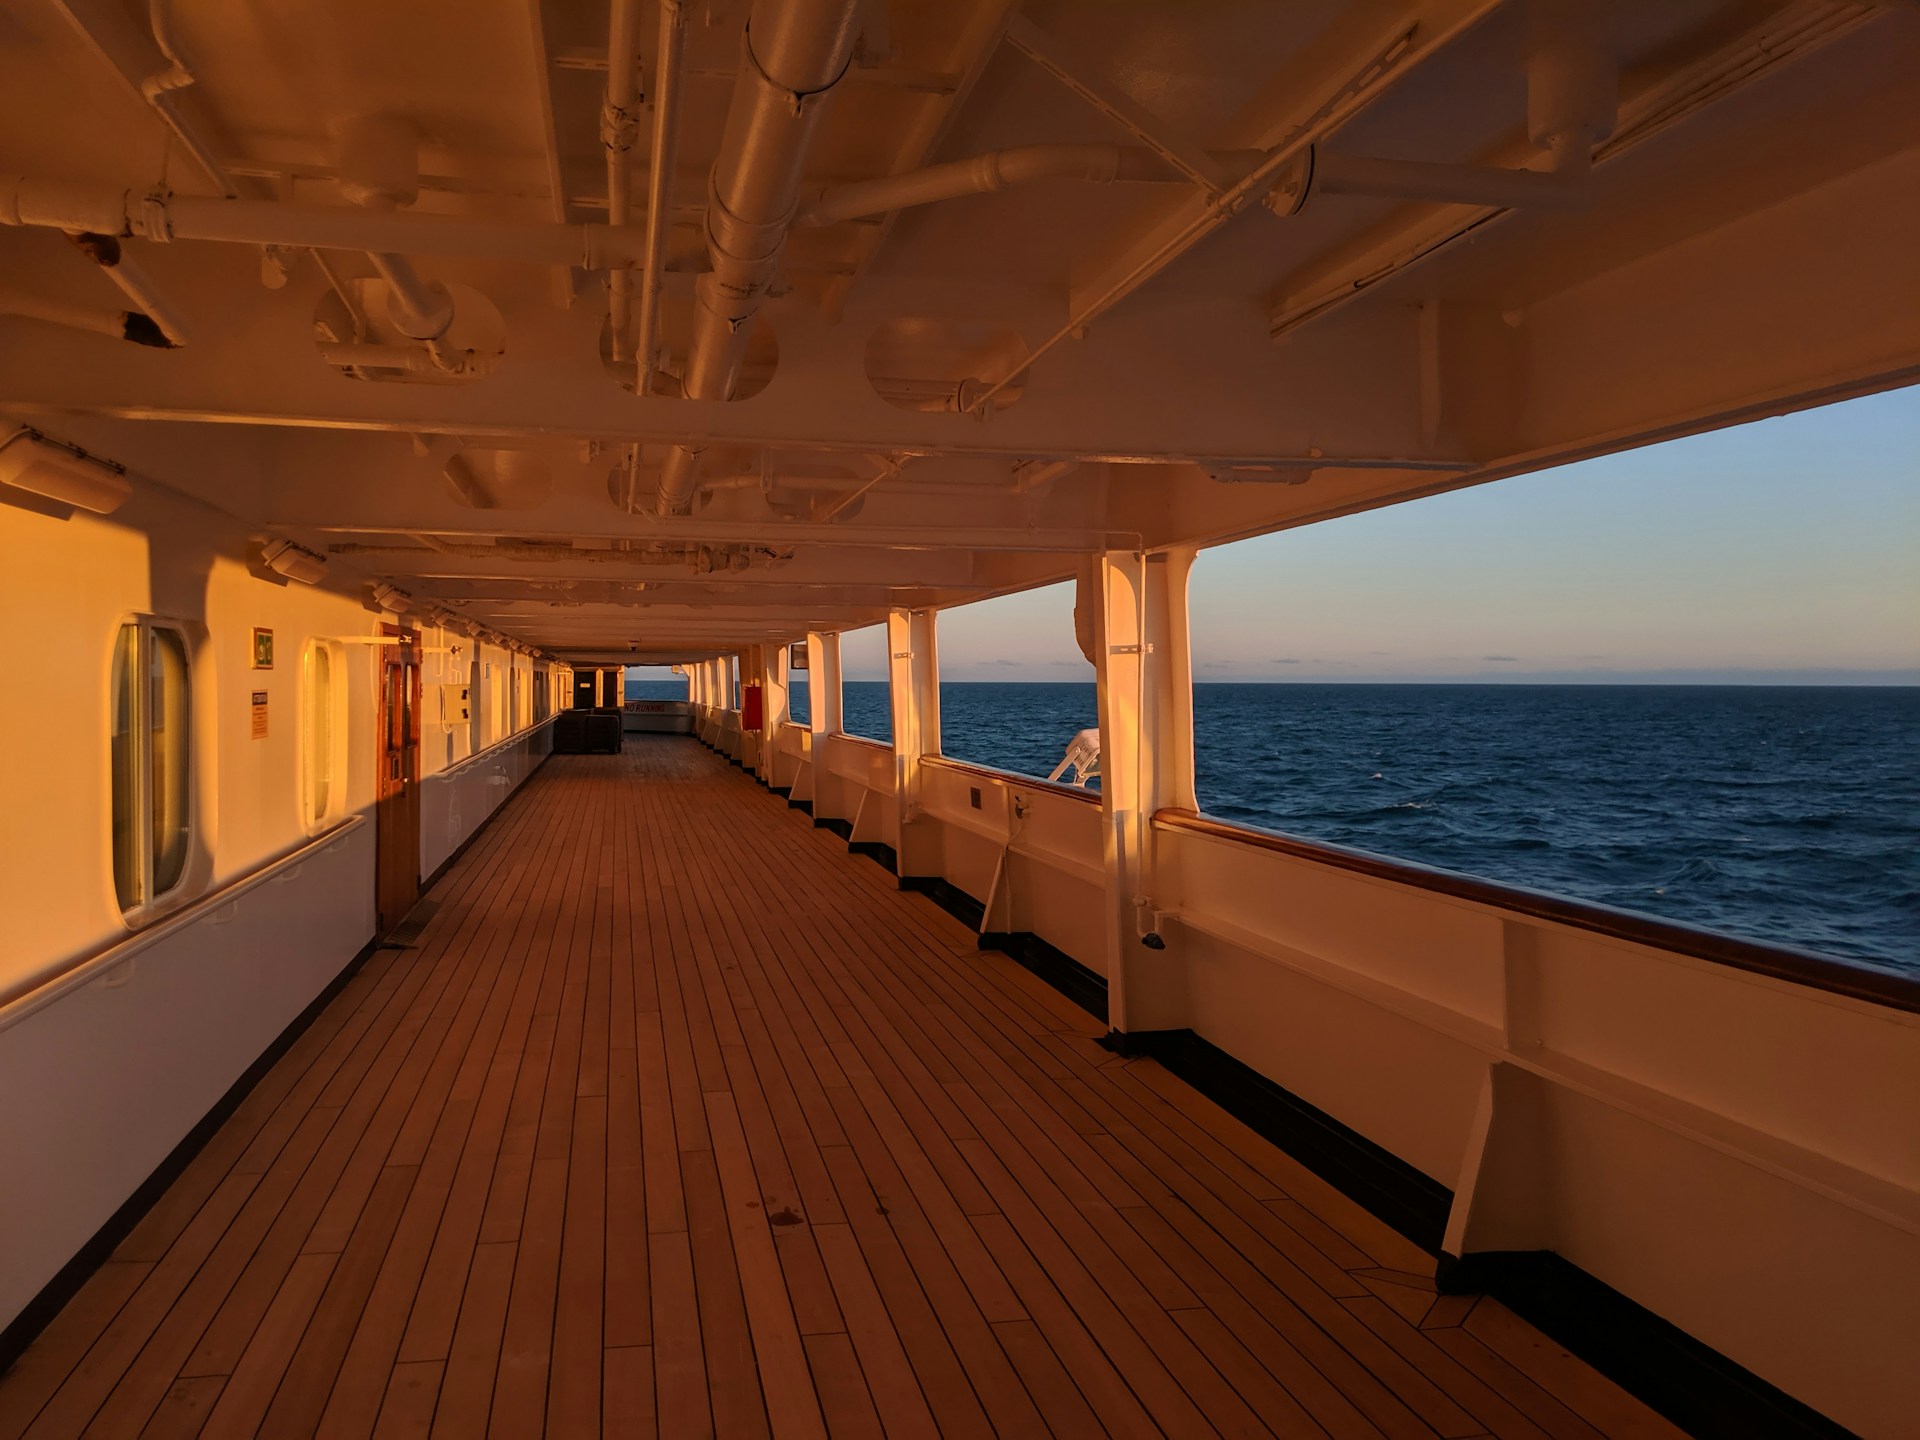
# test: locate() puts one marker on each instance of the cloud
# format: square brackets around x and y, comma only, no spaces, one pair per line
[1288,661]
[1503,659]
[1216,665]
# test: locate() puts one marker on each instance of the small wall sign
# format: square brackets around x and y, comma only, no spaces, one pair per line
[260,714]
[262,648]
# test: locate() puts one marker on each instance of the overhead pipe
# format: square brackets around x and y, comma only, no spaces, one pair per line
[619,124]
[107,210]
[795,52]
[1572,105]
[121,268]
[670,65]
[1564,186]
[379,169]
[997,170]
[161,87]
[120,324]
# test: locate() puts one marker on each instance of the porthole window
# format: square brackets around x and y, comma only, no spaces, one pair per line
[151,744]
[322,735]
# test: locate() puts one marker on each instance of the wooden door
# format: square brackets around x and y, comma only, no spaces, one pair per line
[397,790]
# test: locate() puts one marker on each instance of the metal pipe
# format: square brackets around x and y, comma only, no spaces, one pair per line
[996,170]
[421,309]
[121,268]
[795,53]
[105,210]
[619,123]
[161,87]
[666,145]
[120,324]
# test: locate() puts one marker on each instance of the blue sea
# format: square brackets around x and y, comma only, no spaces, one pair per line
[1789,814]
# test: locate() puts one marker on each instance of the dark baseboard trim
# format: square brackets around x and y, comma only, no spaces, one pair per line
[805,807]
[949,897]
[1690,1383]
[1086,988]
[842,828]
[877,851]
[52,1298]
[1379,1181]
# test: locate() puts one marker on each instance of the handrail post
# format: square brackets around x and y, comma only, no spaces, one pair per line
[1144,674]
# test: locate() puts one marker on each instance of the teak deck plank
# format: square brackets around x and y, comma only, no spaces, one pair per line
[674,1119]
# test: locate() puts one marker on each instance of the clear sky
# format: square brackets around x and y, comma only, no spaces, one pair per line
[1787,550]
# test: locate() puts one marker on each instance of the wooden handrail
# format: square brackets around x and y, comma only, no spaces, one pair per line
[43,989]
[859,740]
[480,756]
[1856,979]
[1015,778]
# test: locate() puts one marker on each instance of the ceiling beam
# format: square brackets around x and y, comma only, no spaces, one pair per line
[1361,56]
[1150,130]
[1649,105]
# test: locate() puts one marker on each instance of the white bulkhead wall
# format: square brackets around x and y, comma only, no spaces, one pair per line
[66,585]
[125,1038]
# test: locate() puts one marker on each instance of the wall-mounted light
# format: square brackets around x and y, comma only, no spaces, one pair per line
[66,473]
[296,562]
[392,597]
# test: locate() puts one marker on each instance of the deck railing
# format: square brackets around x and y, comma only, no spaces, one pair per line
[1658,1103]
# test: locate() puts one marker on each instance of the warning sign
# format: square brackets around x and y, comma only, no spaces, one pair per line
[259,714]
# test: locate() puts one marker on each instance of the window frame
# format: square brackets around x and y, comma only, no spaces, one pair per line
[148,903]
[476,717]
[316,819]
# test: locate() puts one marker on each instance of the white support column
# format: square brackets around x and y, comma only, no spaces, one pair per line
[823,685]
[773,711]
[824,719]
[913,673]
[1145,679]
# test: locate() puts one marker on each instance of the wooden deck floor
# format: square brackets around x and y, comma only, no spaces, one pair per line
[676,1119]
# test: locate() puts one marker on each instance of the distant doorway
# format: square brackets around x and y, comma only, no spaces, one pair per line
[397,788]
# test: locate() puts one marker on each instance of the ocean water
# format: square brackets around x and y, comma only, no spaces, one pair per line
[1789,814]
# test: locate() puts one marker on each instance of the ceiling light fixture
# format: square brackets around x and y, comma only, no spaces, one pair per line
[296,562]
[66,473]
